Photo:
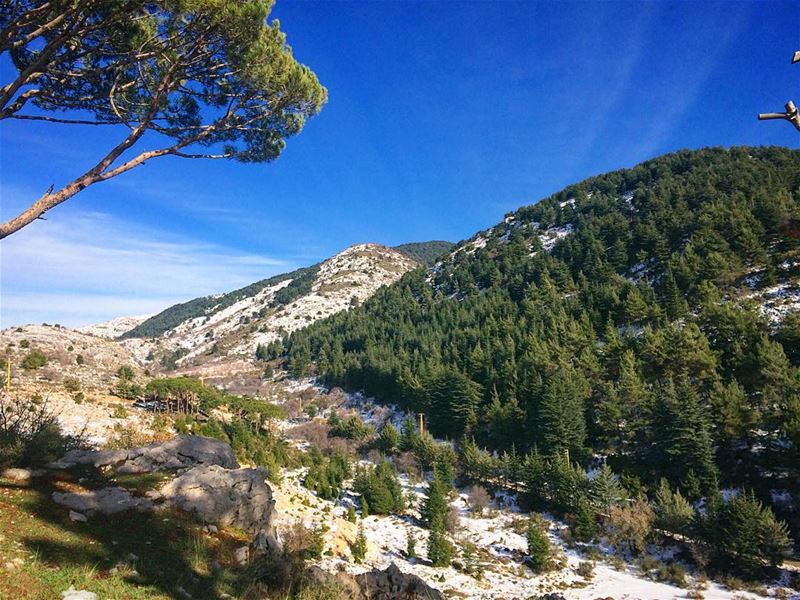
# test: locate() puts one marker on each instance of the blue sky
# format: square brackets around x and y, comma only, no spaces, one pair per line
[441,118]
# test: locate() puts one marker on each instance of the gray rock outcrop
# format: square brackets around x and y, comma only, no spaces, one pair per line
[389,584]
[21,475]
[181,452]
[106,501]
[218,496]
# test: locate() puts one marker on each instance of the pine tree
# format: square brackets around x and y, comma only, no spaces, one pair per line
[434,510]
[443,466]
[682,437]
[408,435]
[440,550]
[411,545]
[359,545]
[539,552]
[561,418]
[674,305]
[744,533]
[351,513]
[586,527]
[605,490]
[673,511]
[636,308]
[389,438]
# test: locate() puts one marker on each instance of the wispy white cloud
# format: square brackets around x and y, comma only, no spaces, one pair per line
[87,267]
[685,87]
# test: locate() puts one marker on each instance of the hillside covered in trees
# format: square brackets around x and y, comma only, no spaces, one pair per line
[425,253]
[623,317]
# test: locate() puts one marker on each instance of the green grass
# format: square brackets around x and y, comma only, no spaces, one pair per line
[57,553]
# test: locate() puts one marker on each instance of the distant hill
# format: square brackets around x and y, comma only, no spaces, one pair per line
[299,282]
[234,324]
[426,252]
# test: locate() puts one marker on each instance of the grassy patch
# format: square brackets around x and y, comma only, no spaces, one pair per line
[131,555]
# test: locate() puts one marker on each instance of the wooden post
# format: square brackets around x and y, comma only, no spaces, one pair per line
[421,423]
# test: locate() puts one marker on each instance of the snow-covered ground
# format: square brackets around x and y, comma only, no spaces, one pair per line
[779,300]
[498,537]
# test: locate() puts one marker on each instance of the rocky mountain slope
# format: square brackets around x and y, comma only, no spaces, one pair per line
[232,325]
[67,353]
[115,327]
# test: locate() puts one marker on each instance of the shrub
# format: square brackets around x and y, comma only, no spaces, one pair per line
[119,412]
[452,520]
[630,526]
[351,513]
[302,541]
[617,563]
[478,499]
[256,447]
[672,573]
[71,384]
[585,569]
[30,434]
[35,359]
[125,373]
[25,344]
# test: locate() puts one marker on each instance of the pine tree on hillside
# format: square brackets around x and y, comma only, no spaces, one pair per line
[674,304]
[586,527]
[539,551]
[746,534]
[605,490]
[673,511]
[681,437]
[452,403]
[561,421]
[434,510]
[440,550]
[389,438]
[408,435]
[359,545]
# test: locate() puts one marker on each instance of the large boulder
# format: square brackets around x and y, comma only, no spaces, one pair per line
[389,584]
[181,452]
[106,501]
[218,496]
